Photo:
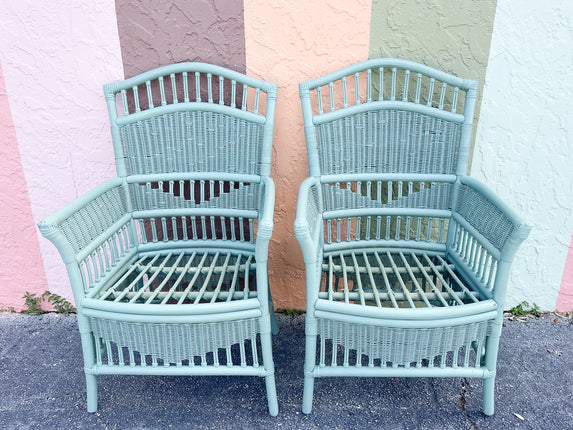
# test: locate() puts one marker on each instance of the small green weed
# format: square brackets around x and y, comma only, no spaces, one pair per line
[34,303]
[523,308]
[535,310]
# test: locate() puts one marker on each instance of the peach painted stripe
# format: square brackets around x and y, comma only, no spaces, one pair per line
[286,42]
[565,297]
[22,268]
[56,56]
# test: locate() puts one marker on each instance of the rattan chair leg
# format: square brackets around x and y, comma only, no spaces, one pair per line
[274,323]
[488,400]
[266,345]
[91,390]
[309,364]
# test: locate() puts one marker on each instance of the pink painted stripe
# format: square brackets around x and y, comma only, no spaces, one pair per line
[22,268]
[565,297]
[56,56]
[288,42]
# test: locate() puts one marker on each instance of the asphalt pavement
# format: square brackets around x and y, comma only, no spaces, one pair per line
[42,386]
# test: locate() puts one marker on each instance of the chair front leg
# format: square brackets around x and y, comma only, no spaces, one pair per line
[491,350]
[311,334]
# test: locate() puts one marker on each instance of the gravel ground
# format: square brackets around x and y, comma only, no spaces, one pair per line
[42,384]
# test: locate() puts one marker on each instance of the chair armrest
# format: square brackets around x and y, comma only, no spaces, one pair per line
[265,221]
[267,207]
[308,224]
[80,227]
[490,217]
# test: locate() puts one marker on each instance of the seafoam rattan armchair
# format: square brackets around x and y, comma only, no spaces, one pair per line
[407,259]
[168,262]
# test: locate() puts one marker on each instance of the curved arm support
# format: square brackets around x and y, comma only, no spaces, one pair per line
[308,224]
[71,231]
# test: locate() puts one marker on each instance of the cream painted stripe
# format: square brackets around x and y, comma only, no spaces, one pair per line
[56,56]
[523,147]
[286,42]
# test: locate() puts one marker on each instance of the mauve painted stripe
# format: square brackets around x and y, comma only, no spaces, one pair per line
[154,33]
[22,268]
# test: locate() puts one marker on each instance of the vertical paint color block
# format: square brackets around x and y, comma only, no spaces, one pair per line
[523,145]
[289,41]
[453,36]
[154,33]
[22,268]
[565,298]
[56,56]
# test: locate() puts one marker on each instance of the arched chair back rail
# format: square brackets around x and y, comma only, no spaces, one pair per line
[168,261]
[407,259]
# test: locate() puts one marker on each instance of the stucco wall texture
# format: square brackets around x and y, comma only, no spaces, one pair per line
[154,33]
[289,41]
[451,36]
[55,56]
[524,141]
[18,240]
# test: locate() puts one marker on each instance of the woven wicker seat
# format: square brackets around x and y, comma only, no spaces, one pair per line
[407,259]
[168,261]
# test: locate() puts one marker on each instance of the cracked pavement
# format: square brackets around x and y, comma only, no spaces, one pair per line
[42,383]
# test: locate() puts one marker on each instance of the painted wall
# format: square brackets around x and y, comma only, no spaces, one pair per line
[157,32]
[453,36]
[18,240]
[288,41]
[524,146]
[55,56]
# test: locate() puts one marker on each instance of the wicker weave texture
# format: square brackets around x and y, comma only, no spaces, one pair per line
[192,117]
[195,194]
[388,141]
[484,216]
[131,344]
[192,141]
[347,344]
[102,212]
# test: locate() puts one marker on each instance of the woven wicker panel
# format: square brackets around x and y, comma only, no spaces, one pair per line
[361,345]
[483,215]
[388,141]
[125,343]
[195,141]
[93,219]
